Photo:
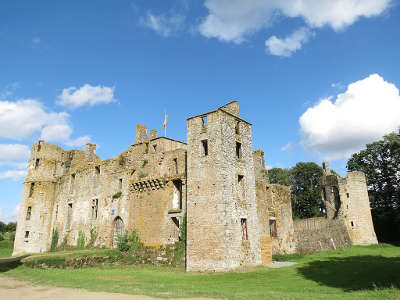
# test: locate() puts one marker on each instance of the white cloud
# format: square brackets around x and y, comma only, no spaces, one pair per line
[288,45]
[367,110]
[289,147]
[79,142]
[21,119]
[164,25]
[87,94]
[234,20]
[13,174]
[14,152]
[24,118]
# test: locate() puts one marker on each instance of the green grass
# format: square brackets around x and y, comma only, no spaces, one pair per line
[356,272]
[6,248]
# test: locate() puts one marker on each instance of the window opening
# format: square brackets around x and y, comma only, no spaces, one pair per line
[120,185]
[69,215]
[155,147]
[272,228]
[31,189]
[238,150]
[177,198]
[243,223]
[26,234]
[95,207]
[28,213]
[37,163]
[204,121]
[176,165]
[237,130]
[205,147]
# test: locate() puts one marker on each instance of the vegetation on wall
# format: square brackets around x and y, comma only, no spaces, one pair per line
[81,240]
[304,180]
[54,240]
[380,161]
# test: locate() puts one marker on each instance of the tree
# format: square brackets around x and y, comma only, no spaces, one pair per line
[279,176]
[305,182]
[380,162]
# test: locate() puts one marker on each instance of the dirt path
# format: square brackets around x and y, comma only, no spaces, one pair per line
[12,289]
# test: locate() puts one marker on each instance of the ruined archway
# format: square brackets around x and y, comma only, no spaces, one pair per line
[119,229]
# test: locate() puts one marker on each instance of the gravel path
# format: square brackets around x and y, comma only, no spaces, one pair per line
[12,289]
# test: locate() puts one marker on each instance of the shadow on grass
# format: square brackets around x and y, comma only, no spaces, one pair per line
[355,272]
[7,266]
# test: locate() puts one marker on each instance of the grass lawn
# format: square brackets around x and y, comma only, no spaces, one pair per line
[371,272]
[6,248]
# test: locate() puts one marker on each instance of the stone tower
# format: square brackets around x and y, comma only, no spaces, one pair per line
[222,222]
[347,199]
[36,207]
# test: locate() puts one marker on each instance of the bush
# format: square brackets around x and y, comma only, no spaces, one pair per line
[81,240]
[123,243]
[129,242]
[54,240]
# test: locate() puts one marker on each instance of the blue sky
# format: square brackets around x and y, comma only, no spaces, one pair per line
[317,81]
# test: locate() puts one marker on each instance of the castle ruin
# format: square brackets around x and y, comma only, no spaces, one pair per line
[234,216]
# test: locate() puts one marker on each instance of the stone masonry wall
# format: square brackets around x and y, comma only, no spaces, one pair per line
[217,203]
[317,234]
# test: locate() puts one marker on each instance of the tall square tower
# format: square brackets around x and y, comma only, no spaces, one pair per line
[222,222]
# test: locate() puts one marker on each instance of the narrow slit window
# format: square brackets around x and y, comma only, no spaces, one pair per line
[120,185]
[272,228]
[37,163]
[205,147]
[147,148]
[31,189]
[26,234]
[69,215]
[352,224]
[237,128]
[347,195]
[39,147]
[95,208]
[238,150]
[243,223]
[176,165]
[72,185]
[155,148]
[204,121]
[28,213]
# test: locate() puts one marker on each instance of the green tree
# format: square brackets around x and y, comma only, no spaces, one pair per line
[380,162]
[279,176]
[305,182]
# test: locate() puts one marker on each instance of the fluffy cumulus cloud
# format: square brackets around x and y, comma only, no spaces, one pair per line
[14,152]
[233,20]
[23,118]
[26,119]
[164,25]
[20,119]
[87,94]
[338,127]
[290,44]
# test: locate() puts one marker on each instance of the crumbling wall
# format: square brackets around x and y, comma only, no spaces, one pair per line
[317,234]
[347,199]
[280,216]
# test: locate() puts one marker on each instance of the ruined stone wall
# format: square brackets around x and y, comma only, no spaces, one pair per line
[217,203]
[74,191]
[280,213]
[317,234]
[34,227]
[347,199]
